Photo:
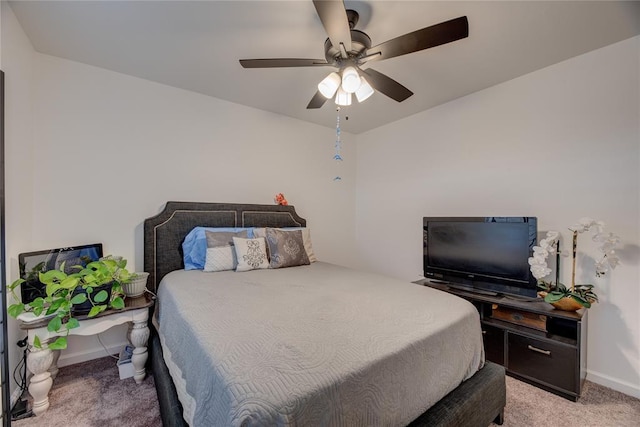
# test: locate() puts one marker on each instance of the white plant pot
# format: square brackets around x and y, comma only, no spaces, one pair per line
[136,287]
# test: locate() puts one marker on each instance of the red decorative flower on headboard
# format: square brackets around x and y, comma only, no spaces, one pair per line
[280,200]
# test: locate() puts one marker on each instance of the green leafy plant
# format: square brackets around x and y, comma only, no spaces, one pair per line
[582,294]
[66,290]
[32,274]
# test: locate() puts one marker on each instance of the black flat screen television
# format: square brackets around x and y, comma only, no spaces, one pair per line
[483,254]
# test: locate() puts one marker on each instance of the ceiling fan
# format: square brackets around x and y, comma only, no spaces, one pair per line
[348,49]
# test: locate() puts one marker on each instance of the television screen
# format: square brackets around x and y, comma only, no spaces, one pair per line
[483,253]
[33,263]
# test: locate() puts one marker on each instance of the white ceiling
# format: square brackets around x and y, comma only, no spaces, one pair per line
[196,46]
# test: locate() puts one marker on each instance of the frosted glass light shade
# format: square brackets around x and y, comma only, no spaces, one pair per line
[350,80]
[364,91]
[343,98]
[329,85]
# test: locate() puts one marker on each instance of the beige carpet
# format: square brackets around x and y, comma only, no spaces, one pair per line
[91,394]
[598,407]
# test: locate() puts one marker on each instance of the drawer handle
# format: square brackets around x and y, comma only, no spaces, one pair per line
[539,350]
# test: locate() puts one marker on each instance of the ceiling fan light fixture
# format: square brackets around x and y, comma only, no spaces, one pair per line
[350,79]
[364,91]
[343,98]
[329,85]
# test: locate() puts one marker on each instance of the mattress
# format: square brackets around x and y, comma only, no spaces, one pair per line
[318,345]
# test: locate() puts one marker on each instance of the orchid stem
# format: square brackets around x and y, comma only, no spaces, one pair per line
[573,269]
[558,263]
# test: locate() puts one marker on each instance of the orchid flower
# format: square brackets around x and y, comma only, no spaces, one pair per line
[547,246]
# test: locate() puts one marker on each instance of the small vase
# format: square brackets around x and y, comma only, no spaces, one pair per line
[136,286]
[565,304]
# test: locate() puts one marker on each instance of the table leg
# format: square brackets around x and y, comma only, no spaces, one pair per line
[54,365]
[139,335]
[38,362]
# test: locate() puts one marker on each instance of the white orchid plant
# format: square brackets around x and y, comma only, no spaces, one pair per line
[583,294]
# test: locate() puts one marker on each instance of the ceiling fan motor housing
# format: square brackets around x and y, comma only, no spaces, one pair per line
[360,42]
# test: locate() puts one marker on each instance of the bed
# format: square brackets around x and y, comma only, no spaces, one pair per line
[315,344]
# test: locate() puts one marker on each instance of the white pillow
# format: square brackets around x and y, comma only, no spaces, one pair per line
[220,259]
[251,253]
[306,239]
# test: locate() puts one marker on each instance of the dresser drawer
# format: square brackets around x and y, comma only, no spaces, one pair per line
[546,361]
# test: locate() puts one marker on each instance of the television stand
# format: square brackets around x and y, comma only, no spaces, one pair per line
[536,343]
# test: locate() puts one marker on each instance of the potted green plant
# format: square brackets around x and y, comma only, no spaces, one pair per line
[576,296]
[94,288]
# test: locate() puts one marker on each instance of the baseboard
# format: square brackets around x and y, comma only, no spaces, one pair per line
[614,383]
[67,359]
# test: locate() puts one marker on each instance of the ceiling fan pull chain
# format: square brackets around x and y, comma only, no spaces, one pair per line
[338,145]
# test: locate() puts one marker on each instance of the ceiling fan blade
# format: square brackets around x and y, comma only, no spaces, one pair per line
[317,101]
[282,62]
[334,20]
[386,85]
[435,35]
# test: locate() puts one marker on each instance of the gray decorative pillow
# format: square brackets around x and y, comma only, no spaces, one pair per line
[306,238]
[286,248]
[221,254]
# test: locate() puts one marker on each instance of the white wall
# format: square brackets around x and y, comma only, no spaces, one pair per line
[560,144]
[17,63]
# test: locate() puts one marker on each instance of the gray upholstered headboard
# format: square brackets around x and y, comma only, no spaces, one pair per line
[164,233]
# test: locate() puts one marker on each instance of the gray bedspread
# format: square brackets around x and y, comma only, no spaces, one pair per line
[316,345]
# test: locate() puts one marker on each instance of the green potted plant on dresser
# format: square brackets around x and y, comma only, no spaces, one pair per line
[75,290]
